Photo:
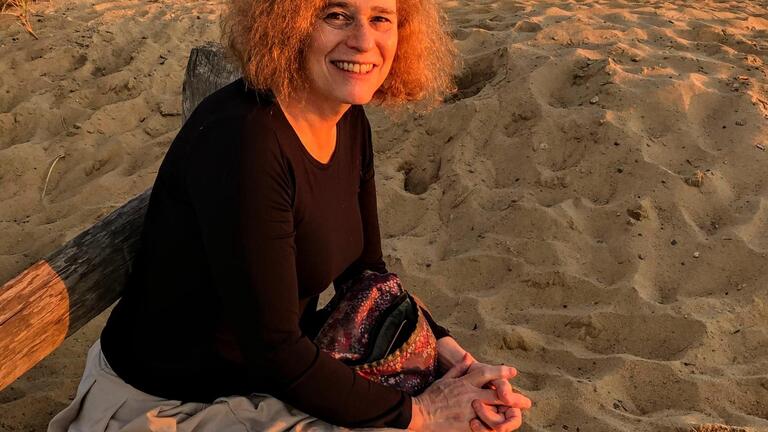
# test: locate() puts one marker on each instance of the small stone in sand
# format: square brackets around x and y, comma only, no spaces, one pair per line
[740,123]
[594,100]
[641,257]
[167,110]
[696,254]
[673,242]
[638,213]
[696,179]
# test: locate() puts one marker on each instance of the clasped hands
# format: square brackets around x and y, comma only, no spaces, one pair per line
[472,396]
[505,412]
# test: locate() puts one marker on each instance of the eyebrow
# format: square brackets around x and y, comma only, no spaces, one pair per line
[345,5]
[382,9]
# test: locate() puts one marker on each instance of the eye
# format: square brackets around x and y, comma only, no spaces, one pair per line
[336,18]
[382,22]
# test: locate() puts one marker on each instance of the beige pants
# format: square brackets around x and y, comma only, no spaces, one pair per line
[105,403]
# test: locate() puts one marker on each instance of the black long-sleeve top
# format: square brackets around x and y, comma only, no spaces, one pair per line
[244,229]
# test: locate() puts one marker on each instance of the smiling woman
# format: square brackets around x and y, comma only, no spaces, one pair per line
[266,196]
[270,40]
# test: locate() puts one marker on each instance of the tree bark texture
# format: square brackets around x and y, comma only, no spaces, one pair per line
[56,296]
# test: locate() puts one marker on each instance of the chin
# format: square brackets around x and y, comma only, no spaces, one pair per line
[357,98]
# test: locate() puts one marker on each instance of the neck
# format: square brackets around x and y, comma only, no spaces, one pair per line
[310,115]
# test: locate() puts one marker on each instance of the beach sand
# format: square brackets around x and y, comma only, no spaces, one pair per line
[591,207]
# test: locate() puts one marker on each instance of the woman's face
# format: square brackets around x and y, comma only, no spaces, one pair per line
[351,50]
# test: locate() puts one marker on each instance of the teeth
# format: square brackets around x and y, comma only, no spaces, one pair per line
[354,67]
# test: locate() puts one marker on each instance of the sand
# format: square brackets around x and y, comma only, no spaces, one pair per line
[591,207]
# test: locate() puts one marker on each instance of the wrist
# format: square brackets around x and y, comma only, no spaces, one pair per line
[417,416]
[449,353]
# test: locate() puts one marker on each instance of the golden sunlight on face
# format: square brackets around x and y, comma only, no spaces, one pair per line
[351,49]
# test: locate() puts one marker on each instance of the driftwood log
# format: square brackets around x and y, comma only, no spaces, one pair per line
[207,71]
[56,296]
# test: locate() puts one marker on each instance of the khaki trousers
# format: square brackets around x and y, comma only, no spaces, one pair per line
[105,403]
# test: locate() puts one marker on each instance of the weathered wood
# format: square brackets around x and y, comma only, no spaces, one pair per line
[208,70]
[59,294]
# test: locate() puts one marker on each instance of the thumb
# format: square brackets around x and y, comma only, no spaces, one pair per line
[460,368]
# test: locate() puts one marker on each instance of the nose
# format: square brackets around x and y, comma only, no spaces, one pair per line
[360,36]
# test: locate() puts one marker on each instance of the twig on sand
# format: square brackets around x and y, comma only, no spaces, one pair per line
[48,177]
[462,198]
[22,14]
[717,428]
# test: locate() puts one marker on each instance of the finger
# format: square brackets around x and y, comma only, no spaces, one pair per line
[482,375]
[503,390]
[514,370]
[488,414]
[512,423]
[515,401]
[514,419]
[459,368]
[505,393]
[478,426]
[489,397]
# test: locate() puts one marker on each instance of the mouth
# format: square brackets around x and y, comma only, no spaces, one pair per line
[353,67]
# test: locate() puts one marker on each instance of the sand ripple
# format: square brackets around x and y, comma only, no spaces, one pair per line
[546,212]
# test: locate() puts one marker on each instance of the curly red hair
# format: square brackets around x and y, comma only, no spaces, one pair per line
[268,38]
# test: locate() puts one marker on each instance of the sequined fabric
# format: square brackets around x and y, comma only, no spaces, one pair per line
[347,333]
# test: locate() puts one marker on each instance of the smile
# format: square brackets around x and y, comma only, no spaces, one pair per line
[358,68]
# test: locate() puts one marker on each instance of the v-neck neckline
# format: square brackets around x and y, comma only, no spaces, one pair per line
[314,161]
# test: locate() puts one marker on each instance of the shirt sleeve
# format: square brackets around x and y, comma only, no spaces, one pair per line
[371,258]
[259,290]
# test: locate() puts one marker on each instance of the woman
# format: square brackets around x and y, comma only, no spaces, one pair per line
[264,198]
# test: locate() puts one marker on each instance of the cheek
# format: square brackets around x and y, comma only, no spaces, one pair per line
[392,46]
[315,66]
[317,50]
[388,49]
[390,53]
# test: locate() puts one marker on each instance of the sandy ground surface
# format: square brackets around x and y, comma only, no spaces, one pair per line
[591,207]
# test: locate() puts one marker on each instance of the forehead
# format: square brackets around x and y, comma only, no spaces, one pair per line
[373,5]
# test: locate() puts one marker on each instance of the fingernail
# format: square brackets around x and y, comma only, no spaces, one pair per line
[473,424]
